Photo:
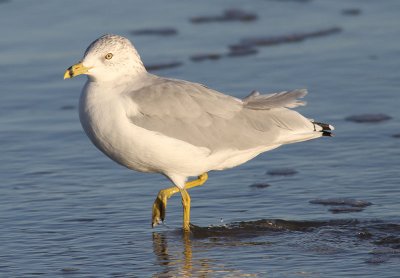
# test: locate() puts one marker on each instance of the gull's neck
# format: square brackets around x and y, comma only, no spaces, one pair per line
[134,74]
[133,81]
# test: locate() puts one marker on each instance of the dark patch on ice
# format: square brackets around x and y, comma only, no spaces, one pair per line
[397,135]
[341,202]
[161,66]
[40,173]
[342,205]
[235,51]
[259,185]
[228,15]
[291,38]
[84,220]
[345,209]
[353,11]
[167,31]
[282,172]
[67,107]
[241,50]
[368,118]
[69,270]
[207,56]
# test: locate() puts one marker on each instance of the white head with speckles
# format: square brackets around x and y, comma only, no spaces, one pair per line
[109,58]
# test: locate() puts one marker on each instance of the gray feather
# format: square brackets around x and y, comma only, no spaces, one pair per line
[206,118]
[283,99]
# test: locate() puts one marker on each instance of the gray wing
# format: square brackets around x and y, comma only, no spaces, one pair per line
[206,118]
[282,99]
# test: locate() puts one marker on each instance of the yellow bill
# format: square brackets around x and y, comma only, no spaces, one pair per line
[75,70]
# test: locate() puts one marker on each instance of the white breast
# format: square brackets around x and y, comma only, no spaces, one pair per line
[103,116]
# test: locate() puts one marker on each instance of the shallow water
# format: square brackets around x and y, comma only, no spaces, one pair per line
[66,210]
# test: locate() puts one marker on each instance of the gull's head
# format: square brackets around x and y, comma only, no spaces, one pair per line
[108,58]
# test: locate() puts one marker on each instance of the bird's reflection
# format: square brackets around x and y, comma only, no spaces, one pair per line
[160,249]
[181,254]
[187,252]
[177,260]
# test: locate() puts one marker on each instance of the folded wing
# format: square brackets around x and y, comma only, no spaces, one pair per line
[203,117]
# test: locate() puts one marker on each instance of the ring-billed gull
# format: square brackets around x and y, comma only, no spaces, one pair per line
[178,128]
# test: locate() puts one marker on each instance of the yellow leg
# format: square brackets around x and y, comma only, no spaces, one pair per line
[199,181]
[186,209]
[160,204]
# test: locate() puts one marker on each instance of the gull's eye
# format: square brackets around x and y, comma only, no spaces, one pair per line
[108,56]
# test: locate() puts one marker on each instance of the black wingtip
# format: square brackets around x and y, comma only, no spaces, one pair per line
[327,133]
[324,126]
